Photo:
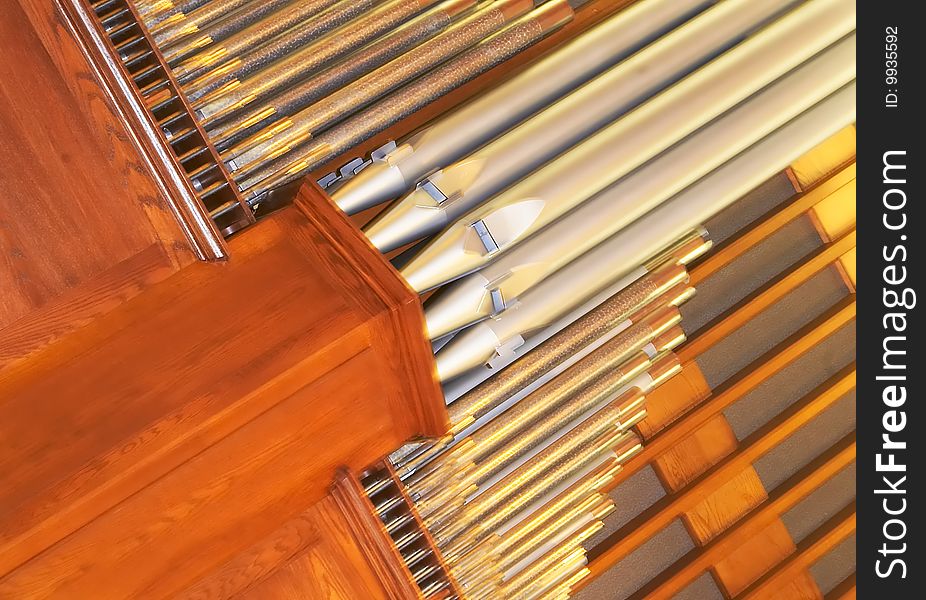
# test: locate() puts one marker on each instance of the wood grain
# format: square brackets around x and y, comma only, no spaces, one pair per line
[766,296]
[746,380]
[780,500]
[373,538]
[724,506]
[753,558]
[63,224]
[672,399]
[809,551]
[695,454]
[195,370]
[844,590]
[726,253]
[621,543]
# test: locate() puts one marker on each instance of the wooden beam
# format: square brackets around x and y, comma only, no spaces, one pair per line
[748,379]
[655,519]
[736,247]
[782,499]
[766,296]
[809,551]
[845,590]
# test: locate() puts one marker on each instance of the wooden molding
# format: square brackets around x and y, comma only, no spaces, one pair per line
[659,516]
[143,130]
[728,252]
[844,590]
[809,551]
[747,380]
[372,537]
[780,501]
[766,296]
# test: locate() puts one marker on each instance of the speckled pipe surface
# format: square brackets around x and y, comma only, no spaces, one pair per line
[277,48]
[231,125]
[255,35]
[289,69]
[412,97]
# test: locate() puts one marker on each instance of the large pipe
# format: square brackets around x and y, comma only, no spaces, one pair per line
[459,187]
[468,300]
[608,262]
[525,208]
[510,102]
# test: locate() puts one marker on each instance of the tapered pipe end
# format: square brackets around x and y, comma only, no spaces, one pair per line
[467,351]
[451,255]
[458,305]
[377,183]
[415,216]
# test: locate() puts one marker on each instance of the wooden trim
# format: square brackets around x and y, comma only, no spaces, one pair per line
[413,354]
[737,246]
[749,378]
[809,551]
[845,590]
[419,523]
[766,296]
[781,500]
[153,149]
[661,515]
[372,537]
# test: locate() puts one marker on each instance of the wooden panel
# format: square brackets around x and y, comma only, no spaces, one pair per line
[224,499]
[672,399]
[749,561]
[747,380]
[766,296]
[333,567]
[845,590]
[835,214]
[782,499]
[64,224]
[825,158]
[778,581]
[725,506]
[200,356]
[619,544]
[726,253]
[373,538]
[694,455]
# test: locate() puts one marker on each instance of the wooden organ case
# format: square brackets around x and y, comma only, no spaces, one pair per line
[192,388]
[177,403]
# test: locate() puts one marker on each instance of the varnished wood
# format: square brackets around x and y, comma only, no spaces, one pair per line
[692,456]
[781,500]
[809,551]
[72,25]
[765,297]
[374,541]
[672,399]
[757,555]
[210,389]
[749,378]
[845,590]
[627,539]
[724,506]
[728,252]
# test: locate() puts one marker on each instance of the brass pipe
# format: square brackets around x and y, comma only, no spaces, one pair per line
[284,166]
[182,47]
[260,82]
[257,34]
[242,119]
[286,134]
[567,343]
